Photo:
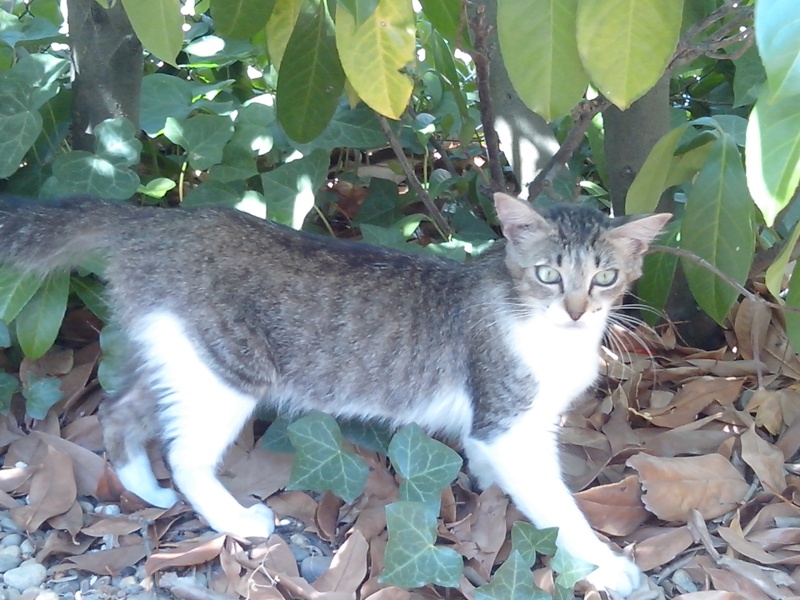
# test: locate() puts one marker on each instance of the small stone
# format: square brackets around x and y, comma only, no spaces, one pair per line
[47,595]
[27,547]
[10,551]
[111,510]
[314,566]
[8,561]
[12,539]
[25,576]
[8,524]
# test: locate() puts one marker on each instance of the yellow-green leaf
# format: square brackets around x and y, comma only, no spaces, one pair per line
[540,53]
[773,153]
[646,189]
[625,45]
[374,54]
[240,18]
[776,271]
[158,25]
[778,37]
[280,27]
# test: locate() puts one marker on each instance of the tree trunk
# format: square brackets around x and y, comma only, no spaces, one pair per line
[107,66]
[526,139]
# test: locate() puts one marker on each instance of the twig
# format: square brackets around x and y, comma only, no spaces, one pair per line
[701,262]
[413,181]
[480,57]
[582,118]
[437,145]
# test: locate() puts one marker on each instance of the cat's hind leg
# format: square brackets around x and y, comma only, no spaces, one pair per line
[129,423]
[200,415]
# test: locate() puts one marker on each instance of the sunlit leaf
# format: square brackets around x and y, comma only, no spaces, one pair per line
[512,581]
[158,25]
[649,184]
[778,38]
[240,18]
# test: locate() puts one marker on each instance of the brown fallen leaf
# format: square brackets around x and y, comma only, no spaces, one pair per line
[614,509]
[193,552]
[52,491]
[108,562]
[674,486]
[765,459]
[348,568]
[661,548]
[693,397]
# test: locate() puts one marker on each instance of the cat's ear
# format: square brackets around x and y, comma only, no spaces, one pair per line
[635,235]
[518,218]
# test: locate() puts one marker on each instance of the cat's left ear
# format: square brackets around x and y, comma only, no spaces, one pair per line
[518,218]
[635,235]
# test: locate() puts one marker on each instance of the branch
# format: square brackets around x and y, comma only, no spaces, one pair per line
[701,262]
[413,180]
[480,56]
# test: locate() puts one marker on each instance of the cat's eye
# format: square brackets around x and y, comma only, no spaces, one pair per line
[547,275]
[605,278]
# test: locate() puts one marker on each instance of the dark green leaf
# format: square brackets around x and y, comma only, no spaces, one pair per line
[426,466]
[445,16]
[16,290]
[370,435]
[291,188]
[241,18]
[9,385]
[202,136]
[320,462]
[79,172]
[382,206]
[163,96]
[658,272]
[311,79]
[276,437]
[92,294]
[360,9]
[5,335]
[412,558]
[41,394]
[114,370]
[512,581]
[749,78]
[528,541]
[570,570]
[39,321]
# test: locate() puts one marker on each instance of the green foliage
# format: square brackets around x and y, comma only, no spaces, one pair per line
[40,319]
[512,581]
[426,466]
[321,463]
[9,385]
[40,394]
[157,24]
[412,557]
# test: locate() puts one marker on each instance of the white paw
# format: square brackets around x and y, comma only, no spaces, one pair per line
[617,574]
[256,521]
[162,497]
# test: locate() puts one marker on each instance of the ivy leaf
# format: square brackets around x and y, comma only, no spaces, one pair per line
[39,321]
[356,128]
[412,557]
[202,136]
[116,142]
[20,124]
[163,96]
[382,206]
[626,45]
[80,172]
[528,541]
[321,463]
[156,188]
[293,186]
[40,394]
[512,581]
[276,437]
[570,570]
[718,227]
[426,466]
[371,435]
[16,290]
[9,385]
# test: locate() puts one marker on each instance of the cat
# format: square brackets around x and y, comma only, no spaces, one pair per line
[226,312]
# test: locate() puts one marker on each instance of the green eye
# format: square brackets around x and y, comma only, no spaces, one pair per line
[547,275]
[605,278]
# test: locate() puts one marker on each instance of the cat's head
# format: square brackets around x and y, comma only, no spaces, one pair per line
[573,262]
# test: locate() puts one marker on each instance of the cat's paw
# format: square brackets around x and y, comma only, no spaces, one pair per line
[256,521]
[162,497]
[617,574]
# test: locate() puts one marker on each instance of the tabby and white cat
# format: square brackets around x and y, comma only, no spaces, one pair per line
[226,312]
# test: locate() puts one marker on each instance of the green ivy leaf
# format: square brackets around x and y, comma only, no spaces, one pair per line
[156,188]
[41,394]
[20,125]
[311,79]
[240,18]
[356,128]
[16,290]
[321,463]
[570,570]
[773,157]
[778,38]
[293,186]
[718,226]
[163,96]
[528,541]
[116,142]
[375,54]
[253,128]
[512,581]
[92,294]
[39,321]
[158,25]
[412,557]
[370,435]
[80,172]
[382,206]
[426,466]
[9,385]
[202,136]
[552,84]
[626,45]
[276,437]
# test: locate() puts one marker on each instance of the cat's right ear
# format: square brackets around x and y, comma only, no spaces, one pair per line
[517,218]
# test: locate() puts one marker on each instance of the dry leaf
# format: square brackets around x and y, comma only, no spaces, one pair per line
[52,491]
[614,509]
[674,486]
[765,459]
[348,568]
[194,552]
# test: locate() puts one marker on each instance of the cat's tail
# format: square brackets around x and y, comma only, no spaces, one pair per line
[41,237]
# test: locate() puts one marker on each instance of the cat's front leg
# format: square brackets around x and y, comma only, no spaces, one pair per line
[524,462]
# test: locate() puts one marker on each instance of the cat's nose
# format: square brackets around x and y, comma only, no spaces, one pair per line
[575,305]
[575,314]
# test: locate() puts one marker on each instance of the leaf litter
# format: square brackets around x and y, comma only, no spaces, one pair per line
[686,458]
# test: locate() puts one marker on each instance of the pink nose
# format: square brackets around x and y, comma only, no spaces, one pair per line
[575,314]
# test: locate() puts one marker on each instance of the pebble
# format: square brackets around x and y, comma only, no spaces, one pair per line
[8,524]
[27,547]
[314,566]
[12,539]
[27,575]
[47,595]
[9,558]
